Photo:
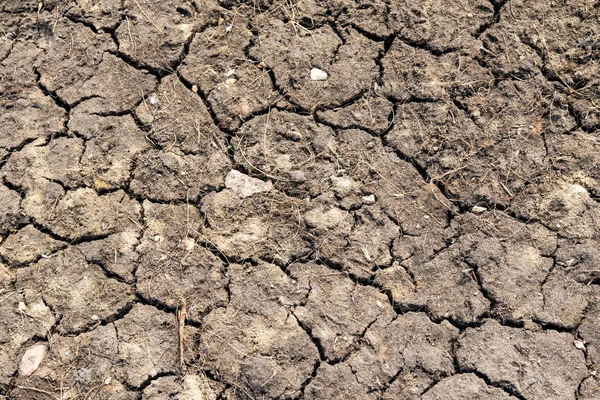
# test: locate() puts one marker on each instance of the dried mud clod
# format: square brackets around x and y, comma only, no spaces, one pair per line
[243,200]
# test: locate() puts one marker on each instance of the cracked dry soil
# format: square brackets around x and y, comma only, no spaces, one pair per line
[432,232]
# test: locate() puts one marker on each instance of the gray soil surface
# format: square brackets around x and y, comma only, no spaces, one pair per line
[186,214]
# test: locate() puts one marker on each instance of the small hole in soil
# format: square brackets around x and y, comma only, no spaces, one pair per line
[184,12]
[45,29]
[581,83]
[307,23]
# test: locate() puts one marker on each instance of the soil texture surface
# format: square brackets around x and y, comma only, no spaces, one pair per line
[299,199]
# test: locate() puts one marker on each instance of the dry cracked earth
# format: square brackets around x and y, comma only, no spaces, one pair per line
[185,214]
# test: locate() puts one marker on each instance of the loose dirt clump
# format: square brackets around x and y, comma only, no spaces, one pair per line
[258,321]
[28,245]
[291,51]
[177,119]
[483,349]
[28,114]
[173,263]
[299,199]
[337,311]
[465,386]
[235,86]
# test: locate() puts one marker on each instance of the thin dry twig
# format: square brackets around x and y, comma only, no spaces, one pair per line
[32,389]
[147,17]
[181,314]
[129,33]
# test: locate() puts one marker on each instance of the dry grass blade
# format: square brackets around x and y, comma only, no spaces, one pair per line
[181,315]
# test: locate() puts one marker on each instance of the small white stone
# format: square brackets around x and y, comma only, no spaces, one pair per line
[108,380]
[370,199]
[153,100]
[229,72]
[317,74]
[188,244]
[478,209]
[379,304]
[32,359]
[230,81]
[579,344]
[94,317]
[22,306]
[577,189]
[341,183]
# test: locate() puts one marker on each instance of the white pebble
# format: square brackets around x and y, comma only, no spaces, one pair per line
[32,359]
[370,199]
[379,304]
[478,209]
[230,81]
[579,344]
[317,74]
[188,244]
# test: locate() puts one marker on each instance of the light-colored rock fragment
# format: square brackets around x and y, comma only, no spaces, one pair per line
[368,200]
[32,359]
[579,344]
[478,209]
[342,185]
[244,186]
[317,74]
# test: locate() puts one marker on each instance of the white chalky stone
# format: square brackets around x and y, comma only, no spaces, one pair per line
[318,75]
